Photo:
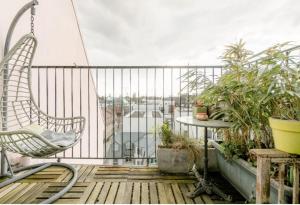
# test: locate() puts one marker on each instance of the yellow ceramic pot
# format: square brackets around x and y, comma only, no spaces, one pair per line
[286,135]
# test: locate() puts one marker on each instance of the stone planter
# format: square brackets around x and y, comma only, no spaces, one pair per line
[242,176]
[176,161]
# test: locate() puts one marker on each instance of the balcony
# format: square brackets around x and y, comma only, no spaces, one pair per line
[110,184]
[124,107]
[128,111]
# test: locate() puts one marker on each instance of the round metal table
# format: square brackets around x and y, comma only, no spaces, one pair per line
[204,184]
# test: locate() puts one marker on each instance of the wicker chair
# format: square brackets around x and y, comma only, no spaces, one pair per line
[23,123]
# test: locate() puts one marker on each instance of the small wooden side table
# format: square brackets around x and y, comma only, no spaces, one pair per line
[264,159]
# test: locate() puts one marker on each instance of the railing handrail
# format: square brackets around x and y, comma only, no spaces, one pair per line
[264,57]
[128,67]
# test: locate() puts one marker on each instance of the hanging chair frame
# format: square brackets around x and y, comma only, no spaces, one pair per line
[22,141]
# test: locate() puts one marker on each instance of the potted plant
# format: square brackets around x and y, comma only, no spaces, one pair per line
[176,153]
[200,110]
[285,122]
[250,91]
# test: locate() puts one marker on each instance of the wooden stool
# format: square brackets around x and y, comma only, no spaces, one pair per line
[264,159]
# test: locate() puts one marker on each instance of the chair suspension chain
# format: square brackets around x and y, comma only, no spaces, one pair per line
[32,20]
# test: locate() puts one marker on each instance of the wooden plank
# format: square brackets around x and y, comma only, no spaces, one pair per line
[33,199]
[263,180]
[184,191]
[161,194]
[281,175]
[63,175]
[206,199]
[112,193]
[169,193]
[13,193]
[7,189]
[67,201]
[103,194]
[14,199]
[43,176]
[90,177]
[177,194]
[95,193]
[31,193]
[74,189]
[145,194]
[113,169]
[136,193]
[295,184]
[121,192]
[67,195]
[109,172]
[153,193]
[198,199]
[85,174]
[79,169]
[87,192]
[271,153]
[128,193]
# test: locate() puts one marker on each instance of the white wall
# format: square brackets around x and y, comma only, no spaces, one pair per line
[59,43]
[55,28]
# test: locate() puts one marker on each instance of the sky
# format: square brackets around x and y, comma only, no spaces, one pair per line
[182,32]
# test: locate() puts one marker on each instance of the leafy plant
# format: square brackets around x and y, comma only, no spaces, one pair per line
[177,140]
[166,134]
[252,89]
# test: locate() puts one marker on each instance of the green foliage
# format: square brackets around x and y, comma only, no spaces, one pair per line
[178,140]
[252,89]
[166,134]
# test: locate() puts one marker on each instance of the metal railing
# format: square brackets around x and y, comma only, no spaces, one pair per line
[123,105]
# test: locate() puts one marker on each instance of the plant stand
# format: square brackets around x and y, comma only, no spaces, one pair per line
[264,159]
[205,185]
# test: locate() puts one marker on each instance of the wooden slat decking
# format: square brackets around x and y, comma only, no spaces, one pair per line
[98,184]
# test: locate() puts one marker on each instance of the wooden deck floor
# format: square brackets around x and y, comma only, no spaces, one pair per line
[98,184]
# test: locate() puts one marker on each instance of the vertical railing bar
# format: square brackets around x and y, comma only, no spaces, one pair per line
[72,104]
[138,150]
[180,98]
[64,103]
[122,115]
[47,95]
[55,100]
[172,114]
[55,96]
[105,131]
[39,94]
[80,108]
[155,128]
[89,115]
[163,89]
[147,116]
[130,114]
[113,112]
[97,104]
[188,101]
[196,70]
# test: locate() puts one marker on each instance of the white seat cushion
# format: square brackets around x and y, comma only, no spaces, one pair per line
[59,139]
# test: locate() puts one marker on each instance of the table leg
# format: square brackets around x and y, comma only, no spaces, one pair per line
[205,154]
[204,185]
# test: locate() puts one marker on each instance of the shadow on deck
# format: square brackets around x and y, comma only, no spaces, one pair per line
[104,184]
